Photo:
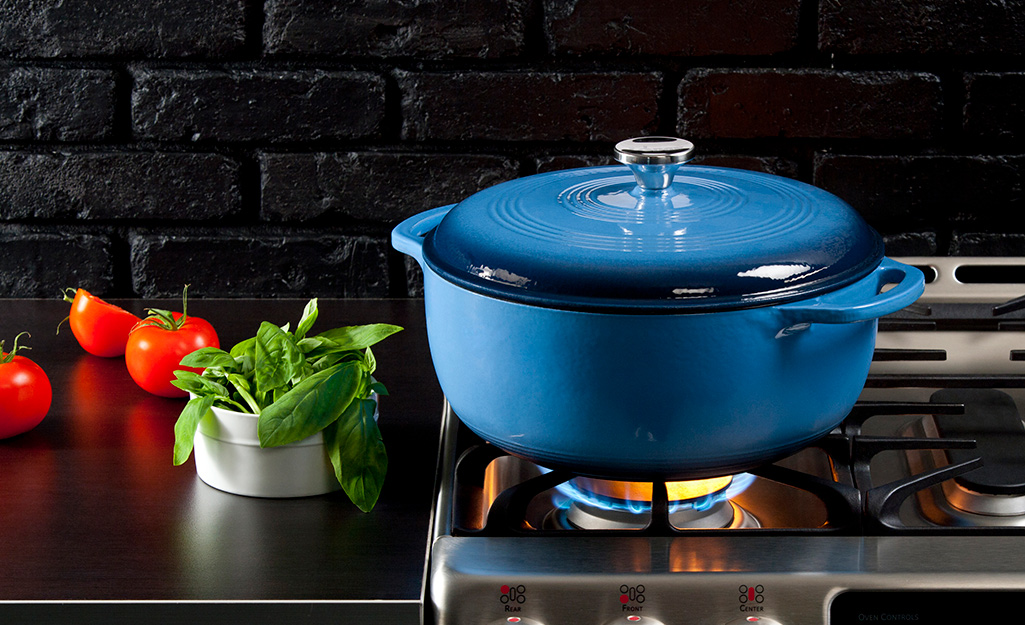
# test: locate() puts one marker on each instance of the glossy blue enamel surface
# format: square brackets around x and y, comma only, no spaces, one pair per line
[643,396]
[653,396]
[591,239]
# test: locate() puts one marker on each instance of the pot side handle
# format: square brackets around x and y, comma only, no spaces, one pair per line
[408,236]
[862,301]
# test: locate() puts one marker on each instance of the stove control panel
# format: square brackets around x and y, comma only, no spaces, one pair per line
[705,580]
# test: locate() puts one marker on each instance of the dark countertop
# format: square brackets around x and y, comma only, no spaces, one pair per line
[92,510]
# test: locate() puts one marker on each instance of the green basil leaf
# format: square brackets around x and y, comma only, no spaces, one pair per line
[217,374]
[277,357]
[356,450]
[229,404]
[242,346]
[209,357]
[310,406]
[327,347]
[194,383]
[379,388]
[359,337]
[308,319]
[324,363]
[188,381]
[334,358]
[244,354]
[185,427]
[241,385]
[307,345]
[239,382]
[369,362]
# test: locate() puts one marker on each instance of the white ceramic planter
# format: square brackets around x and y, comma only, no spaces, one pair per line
[229,458]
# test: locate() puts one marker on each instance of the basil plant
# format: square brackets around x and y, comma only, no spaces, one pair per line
[298,385]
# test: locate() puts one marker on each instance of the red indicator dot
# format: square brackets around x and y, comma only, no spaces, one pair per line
[751,593]
[753,619]
[504,590]
[633,618]
[513,619]
[623,598]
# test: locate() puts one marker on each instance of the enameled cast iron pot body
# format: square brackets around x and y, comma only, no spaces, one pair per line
[726,370]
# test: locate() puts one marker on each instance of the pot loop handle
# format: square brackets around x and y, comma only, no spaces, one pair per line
[408,236]
[654,160]
[864,300]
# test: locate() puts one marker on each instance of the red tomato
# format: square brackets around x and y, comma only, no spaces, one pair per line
[25,394]
[101,328]
[155,348]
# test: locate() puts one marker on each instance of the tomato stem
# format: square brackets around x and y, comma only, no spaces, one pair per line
[165,318]
[8,357]
[69,297]
[185,305]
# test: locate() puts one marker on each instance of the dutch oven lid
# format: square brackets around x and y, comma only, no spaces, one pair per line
[652,236]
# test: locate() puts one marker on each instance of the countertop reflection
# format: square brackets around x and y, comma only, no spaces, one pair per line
[91,508]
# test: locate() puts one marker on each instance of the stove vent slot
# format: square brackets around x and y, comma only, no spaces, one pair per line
[883,354]
[990,274]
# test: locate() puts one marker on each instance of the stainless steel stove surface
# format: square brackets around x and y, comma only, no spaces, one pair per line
[915,500]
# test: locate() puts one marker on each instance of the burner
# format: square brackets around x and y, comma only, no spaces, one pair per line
[723,515]
[507,495]
[993,495]
[698,504]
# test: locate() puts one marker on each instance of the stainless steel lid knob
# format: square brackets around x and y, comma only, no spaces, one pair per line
[654,160]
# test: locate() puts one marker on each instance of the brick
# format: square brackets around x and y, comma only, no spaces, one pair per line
[765,164]
[258,263]
[414,278]
[47,104]
[40,262]
[758,103]
[922,27]
[572,161]
[987,244]
[911,244]
[430,29]
[368,186]
[251,105]
[137,28]
[995,105]
[702,27]
[972,189]
[525,106]
[118,185]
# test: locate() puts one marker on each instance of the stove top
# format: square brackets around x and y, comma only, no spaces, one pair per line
[921,490]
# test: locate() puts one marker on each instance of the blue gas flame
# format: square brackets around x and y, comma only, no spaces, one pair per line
[574,492]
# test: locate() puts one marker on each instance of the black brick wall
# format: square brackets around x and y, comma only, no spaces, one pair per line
[267,147]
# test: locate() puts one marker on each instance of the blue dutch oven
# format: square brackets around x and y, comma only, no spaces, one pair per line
[653,321]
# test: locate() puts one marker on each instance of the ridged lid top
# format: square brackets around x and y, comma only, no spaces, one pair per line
[652,236]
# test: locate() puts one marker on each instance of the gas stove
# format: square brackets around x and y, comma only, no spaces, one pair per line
[914,506]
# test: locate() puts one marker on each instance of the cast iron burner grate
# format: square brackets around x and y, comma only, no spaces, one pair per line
[506,515]
[854,504]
